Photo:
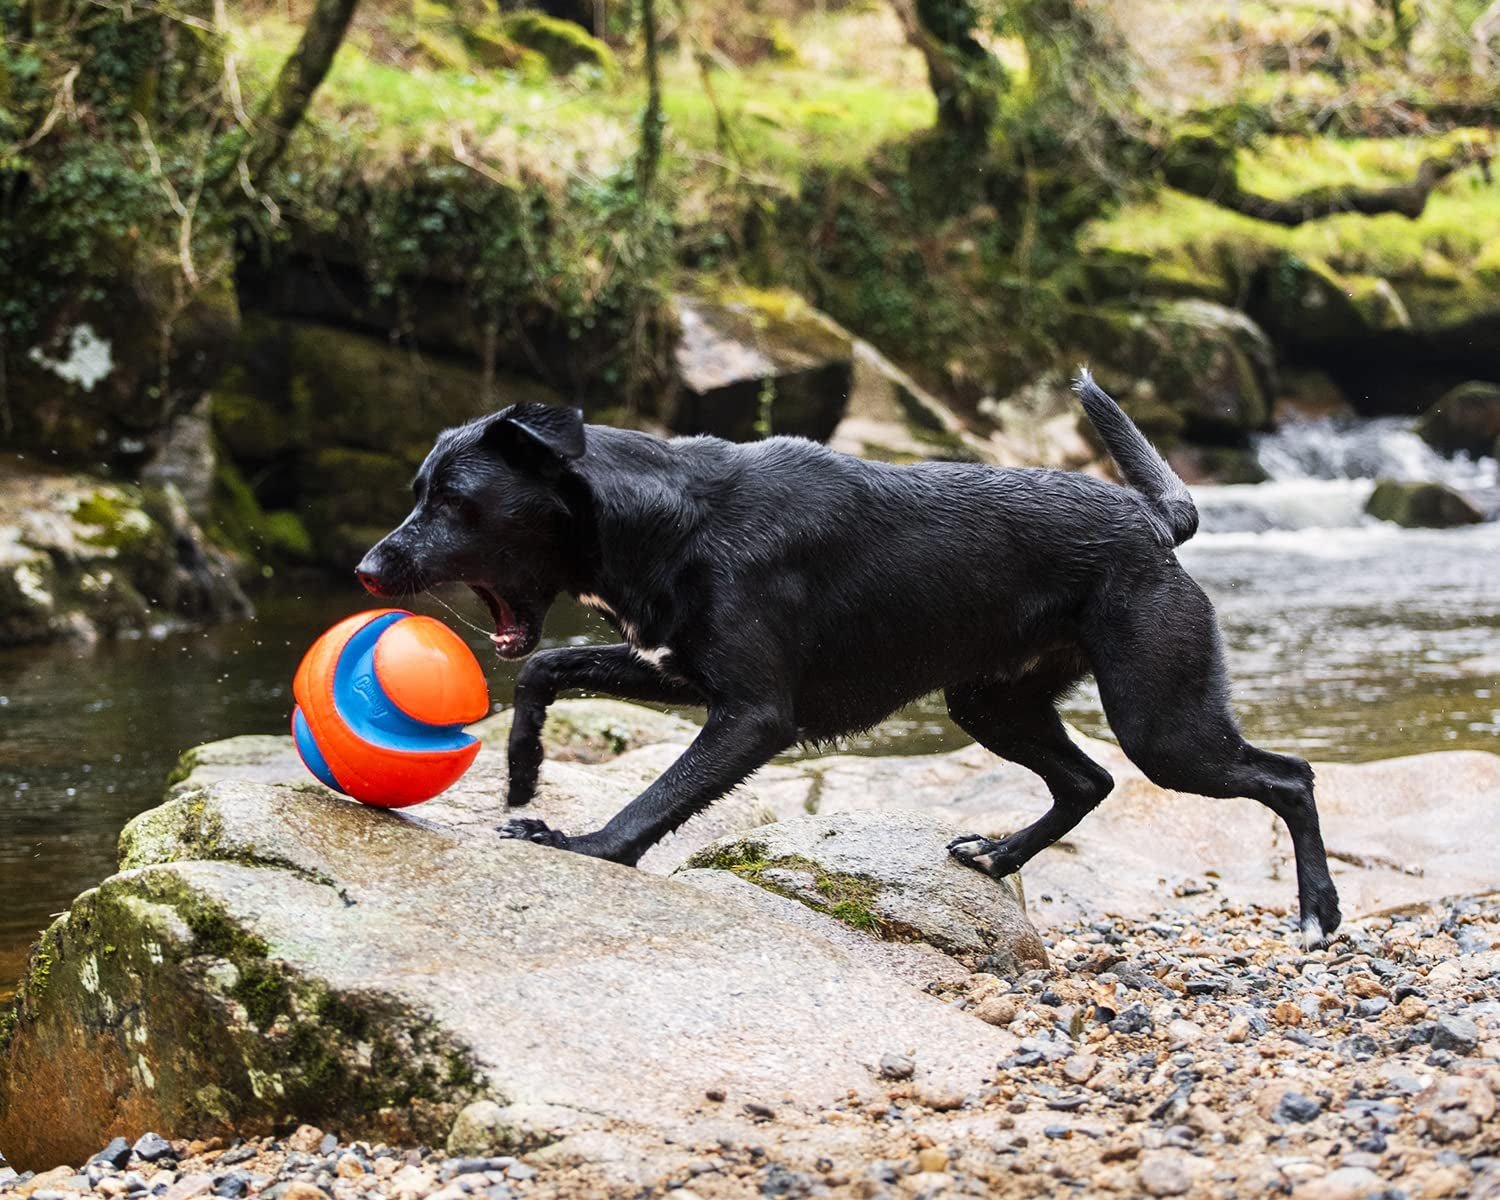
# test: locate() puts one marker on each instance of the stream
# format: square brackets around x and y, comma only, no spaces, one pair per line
[1347,639]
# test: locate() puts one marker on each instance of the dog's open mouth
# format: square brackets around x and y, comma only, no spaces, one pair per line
[516,630]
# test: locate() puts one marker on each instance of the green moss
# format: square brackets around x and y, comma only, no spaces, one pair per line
[263,992]
[566,46]
[117,523]
[10,1018]
[845,897]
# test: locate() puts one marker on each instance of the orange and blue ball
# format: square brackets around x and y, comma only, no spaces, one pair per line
[382,701]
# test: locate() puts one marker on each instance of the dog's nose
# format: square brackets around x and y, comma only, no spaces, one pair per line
[368,574]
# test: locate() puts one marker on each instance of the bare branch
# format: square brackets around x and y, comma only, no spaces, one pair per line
[1408,199]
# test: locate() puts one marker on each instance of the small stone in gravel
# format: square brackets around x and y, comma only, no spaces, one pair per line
[152,1147]
[307,1139]
[115,1155]
[1162,1175]
[1077,1068]
[1295,1108]
[233,1185]
[189,1187]
[897,1066]
[1455,1033]
[237,1155]
[1346,1183]
[350,1167]
[1183,1033]
[300,1190]
[934,1158]
[1372,1007]
[996,1010]
[1452,1126]
[1134,1019]
[1239,1029]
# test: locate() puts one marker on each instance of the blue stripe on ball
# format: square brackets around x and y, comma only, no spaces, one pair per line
[364,706]
[312,757]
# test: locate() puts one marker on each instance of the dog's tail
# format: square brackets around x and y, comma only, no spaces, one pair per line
[1144,469]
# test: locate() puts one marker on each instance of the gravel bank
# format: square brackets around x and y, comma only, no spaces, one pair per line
[1188,1056]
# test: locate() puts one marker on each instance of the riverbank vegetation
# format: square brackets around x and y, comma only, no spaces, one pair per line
[1191,197]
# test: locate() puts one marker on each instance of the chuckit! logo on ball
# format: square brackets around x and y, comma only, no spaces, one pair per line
[382,701]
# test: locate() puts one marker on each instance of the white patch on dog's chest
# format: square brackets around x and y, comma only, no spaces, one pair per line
[654,656]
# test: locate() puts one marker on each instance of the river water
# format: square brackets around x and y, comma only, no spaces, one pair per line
[1347,640]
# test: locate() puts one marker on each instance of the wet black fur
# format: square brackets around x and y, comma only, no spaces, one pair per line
[801,595]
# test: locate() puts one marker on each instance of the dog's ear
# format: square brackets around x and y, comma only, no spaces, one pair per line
[547,433]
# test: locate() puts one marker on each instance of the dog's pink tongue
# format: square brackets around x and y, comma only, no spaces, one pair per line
[508,632]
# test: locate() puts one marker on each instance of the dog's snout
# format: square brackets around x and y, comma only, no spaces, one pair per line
[371,575]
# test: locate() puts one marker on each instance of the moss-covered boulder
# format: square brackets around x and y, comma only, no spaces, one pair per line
[82,558]
[322,429]
[1465,420]
[1421,505]
[1210,367]
[888,874]
[1303,304]
[752,363]
[563,45]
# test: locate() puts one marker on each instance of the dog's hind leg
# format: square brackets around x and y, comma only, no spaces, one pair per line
[1160,671]
[1018,722]
[611,670]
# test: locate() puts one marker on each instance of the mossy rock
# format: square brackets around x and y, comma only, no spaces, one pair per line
[1465,421]
[238,521]
[1211,369]
[333,377]
[491,48]
[1421,505]
[888,875]
[753,363]
[564,45]
[252,431]
[92,558]
[1200,161]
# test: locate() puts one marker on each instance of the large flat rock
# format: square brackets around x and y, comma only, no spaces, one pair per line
[272,950]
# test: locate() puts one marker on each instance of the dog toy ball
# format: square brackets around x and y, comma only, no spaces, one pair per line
[382,701]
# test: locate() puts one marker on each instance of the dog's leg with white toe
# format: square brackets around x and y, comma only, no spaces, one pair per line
[1164,693]
[608,670]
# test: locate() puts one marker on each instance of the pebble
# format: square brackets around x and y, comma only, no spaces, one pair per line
[897,1066]
[1458,1034]
[1079,1068]
[116,1154]
[1295,1108]
[307,1138]
[1162,1175]
[152,1148]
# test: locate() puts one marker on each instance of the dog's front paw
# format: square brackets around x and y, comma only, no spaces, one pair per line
[529,829]
[971,849]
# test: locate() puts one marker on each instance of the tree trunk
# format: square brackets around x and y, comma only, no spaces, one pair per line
[649,160]
[284,108]
[966,78]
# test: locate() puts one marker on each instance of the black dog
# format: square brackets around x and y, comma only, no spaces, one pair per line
[802,595]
